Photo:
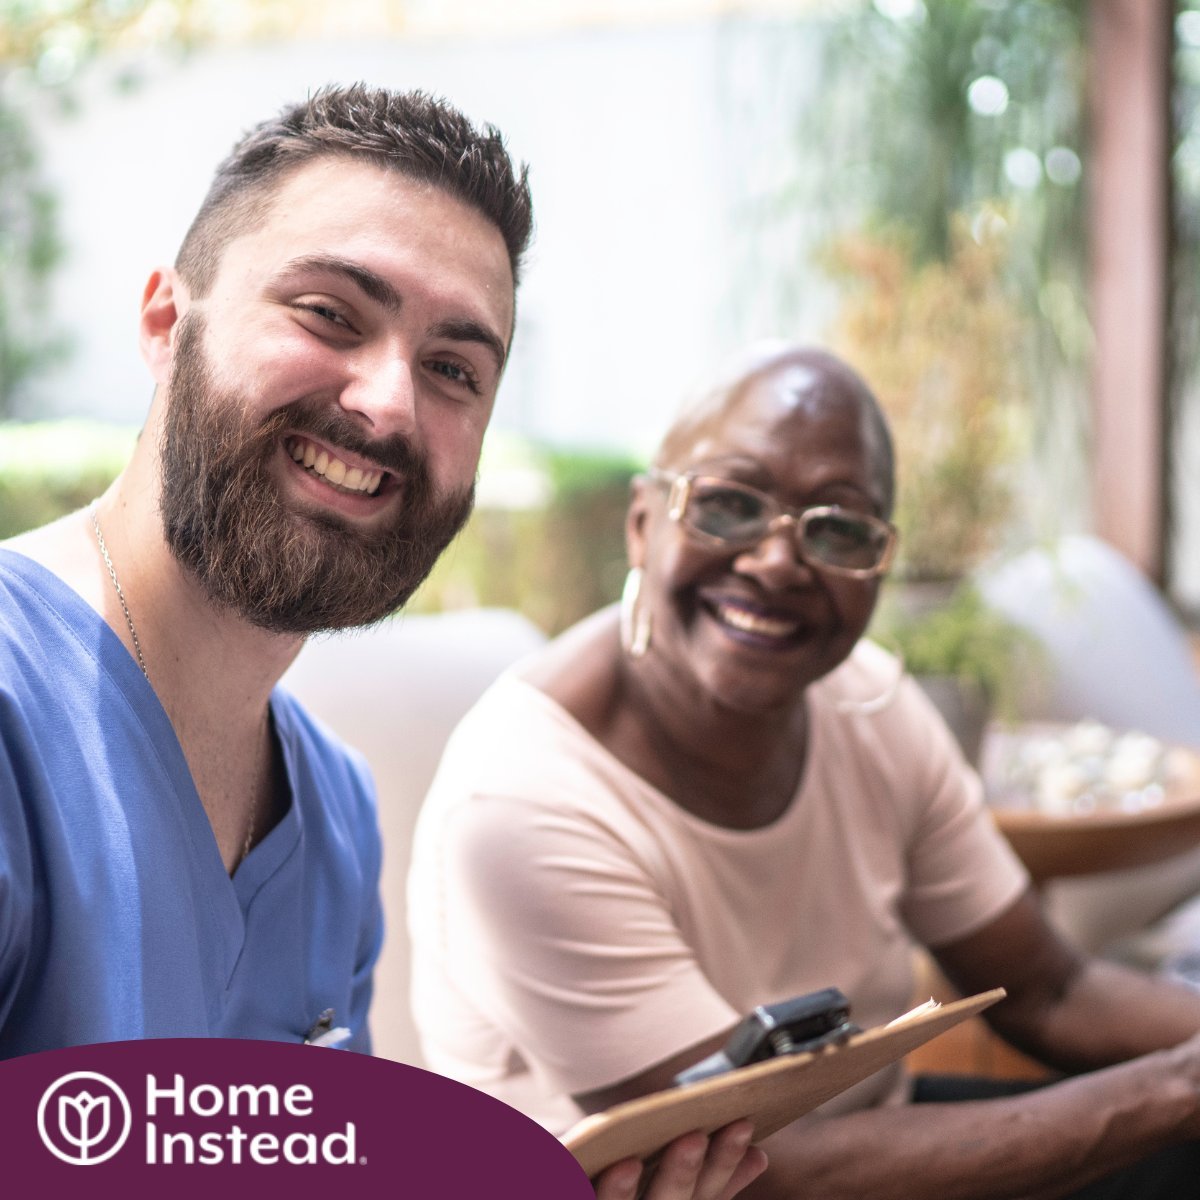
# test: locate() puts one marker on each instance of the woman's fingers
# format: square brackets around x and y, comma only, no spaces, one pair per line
[692,1167]
[620,1181]
[749,1167]
[730,1164]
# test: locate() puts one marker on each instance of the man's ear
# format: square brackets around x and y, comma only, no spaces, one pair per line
[164,302]
[636,517]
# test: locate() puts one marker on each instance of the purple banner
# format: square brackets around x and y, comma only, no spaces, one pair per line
[188,1118]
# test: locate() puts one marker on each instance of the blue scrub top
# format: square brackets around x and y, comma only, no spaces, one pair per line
[117,917]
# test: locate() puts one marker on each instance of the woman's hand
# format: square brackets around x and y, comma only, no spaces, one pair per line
[693,1167]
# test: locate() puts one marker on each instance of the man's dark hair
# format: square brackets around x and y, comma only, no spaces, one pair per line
[413,133]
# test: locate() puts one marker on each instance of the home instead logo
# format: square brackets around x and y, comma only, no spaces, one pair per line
[84,1118]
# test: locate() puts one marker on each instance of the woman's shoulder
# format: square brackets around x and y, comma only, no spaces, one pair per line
[520,768]
[521,737]
[578,669]
[870,676]
[537,735]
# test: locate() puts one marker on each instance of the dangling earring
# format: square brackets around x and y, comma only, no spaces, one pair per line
[635,621]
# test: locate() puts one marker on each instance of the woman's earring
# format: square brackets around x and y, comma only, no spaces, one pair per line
[635,621]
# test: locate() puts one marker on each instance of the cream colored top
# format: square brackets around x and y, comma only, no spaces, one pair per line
[572,926]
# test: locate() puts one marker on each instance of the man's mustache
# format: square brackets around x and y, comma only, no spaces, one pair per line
[394,453]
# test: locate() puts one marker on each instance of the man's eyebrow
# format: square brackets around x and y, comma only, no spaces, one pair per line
[472,331]
[369,282]
[377,288]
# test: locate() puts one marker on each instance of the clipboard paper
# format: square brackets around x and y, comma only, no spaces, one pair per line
[770,1094]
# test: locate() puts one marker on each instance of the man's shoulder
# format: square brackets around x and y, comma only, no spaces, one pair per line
[60,549]
[331,784]
[32,617]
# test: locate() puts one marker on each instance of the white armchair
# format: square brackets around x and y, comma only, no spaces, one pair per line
[1115,653]
[395,692]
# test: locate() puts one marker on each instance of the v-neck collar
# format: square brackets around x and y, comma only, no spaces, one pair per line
[226,899]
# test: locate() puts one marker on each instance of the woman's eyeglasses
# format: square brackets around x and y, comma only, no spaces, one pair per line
[734,516]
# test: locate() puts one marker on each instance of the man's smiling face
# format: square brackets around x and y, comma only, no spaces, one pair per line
[327,398]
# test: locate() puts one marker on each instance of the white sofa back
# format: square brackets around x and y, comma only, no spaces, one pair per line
[395,692]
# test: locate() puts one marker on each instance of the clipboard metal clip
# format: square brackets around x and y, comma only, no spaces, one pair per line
[795,1026]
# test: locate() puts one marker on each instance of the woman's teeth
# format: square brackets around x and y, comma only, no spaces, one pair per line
[748,622]
[333,470]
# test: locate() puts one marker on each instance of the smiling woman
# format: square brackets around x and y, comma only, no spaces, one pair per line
[722,796]
[660,777]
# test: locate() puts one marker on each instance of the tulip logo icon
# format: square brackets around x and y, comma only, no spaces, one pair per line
[77,1117]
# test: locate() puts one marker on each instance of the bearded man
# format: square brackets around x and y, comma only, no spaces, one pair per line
[183,852]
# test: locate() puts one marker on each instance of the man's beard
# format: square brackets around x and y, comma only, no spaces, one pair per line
[285,569]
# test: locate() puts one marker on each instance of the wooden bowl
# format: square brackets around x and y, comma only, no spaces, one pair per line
[1053,845]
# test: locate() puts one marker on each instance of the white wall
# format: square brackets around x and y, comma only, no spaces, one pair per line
[643,147]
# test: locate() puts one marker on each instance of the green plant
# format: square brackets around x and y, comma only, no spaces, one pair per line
[43,46]
[933,97]
[29,251]
[1183,376]
[963,638]
[939,342]
[930,119]
[50,468]
[553,547]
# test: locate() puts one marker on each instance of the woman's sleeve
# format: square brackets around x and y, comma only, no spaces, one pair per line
[557,928]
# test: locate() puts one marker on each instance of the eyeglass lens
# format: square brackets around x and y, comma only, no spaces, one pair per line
[742,516]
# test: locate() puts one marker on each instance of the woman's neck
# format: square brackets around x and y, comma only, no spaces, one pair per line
[735,769]
[740,770]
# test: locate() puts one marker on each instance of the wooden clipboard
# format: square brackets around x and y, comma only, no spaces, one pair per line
[771,1094]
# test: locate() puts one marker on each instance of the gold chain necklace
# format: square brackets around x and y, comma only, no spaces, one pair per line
[137,646]
[112,574]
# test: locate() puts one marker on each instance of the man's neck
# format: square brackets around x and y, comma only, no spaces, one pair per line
[212,670]
[198,656]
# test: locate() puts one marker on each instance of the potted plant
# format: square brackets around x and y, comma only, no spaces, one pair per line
[939,342]
[967,657]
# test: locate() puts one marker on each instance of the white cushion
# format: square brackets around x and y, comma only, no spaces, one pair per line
[394,692]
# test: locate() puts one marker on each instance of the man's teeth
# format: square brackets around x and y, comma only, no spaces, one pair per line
[333,470]
[748,622]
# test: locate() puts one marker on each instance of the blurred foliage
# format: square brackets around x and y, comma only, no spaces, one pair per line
[49,468]
[1186,179]
[939,341]
[43,46]
[29,251]
[950,103]
[963,637]
[1184,378]
[951,195]
[54,38]
[546,539]
[946,122]
[555,561]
